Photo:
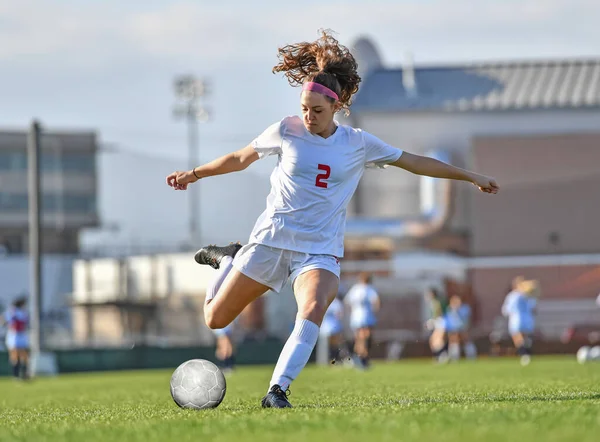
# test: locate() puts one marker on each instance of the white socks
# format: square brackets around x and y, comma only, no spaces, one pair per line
[454,352]
[224,268]
[295,353]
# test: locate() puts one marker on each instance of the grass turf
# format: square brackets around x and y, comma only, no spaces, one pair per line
[553,399]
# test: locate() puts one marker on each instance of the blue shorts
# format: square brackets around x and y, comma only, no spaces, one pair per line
[17,341]
[449,324]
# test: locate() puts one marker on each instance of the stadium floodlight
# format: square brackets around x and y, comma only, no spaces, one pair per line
[189,90]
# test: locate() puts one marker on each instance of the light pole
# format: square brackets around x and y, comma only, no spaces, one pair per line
[188,91]
[35,237]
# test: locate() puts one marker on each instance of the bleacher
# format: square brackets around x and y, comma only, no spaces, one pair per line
[554,316]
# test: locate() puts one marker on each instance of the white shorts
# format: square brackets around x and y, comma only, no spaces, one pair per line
[362,319]
[272,267]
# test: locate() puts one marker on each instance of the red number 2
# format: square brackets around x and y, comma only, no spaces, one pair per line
[323,176]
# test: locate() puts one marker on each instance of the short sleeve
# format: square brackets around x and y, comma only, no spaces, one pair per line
[269,142]
[377,152]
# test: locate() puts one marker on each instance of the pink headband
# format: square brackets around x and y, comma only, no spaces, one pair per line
[319,88]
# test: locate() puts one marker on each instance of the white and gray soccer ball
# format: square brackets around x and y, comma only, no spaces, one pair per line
[198,384]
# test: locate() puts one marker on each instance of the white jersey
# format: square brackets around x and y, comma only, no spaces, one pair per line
[361,299]
[313,183]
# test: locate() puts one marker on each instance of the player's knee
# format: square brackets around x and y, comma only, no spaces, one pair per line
[213,319]
[313,311]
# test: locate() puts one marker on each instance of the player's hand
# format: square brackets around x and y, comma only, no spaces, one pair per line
[180,180]
[485,184]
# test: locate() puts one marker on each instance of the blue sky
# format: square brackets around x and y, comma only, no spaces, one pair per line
[108,65]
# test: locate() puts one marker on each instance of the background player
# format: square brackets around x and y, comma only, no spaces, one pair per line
[466,313]
[225,351]
[437,306]
[332,329]
[519,308]
[363,300]
[16,319]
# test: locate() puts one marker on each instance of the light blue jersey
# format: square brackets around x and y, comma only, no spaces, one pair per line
[518,308]
[362,299]
[332,322]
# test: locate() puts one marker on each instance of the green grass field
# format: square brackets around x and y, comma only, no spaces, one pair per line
[488,400]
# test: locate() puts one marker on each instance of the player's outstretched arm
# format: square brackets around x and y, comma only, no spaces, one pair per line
[232,162]
[422,165]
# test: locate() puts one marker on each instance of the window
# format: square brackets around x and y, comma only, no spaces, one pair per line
[13,202]
[50,203]
[12,160]
[69,162]
[50,161]
[71,203]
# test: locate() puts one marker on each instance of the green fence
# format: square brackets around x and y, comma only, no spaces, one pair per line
[143,357]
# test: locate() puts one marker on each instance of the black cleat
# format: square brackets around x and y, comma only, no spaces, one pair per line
[212,255]
[276,398]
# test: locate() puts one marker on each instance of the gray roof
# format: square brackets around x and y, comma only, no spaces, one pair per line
[486,86]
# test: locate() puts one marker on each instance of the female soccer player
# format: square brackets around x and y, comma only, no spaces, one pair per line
[364,303]
[225,351]
[436,324]
[465,312]
[17,339]
[332,329]
[453,324]
[300,235]
[519,307]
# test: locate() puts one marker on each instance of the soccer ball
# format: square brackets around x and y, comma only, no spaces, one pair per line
[583,354]
[594,353]
[198,384]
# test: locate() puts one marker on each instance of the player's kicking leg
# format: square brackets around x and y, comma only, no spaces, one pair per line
[212,255]
[231,291]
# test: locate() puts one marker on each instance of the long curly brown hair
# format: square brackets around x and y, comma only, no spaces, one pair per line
[324,61]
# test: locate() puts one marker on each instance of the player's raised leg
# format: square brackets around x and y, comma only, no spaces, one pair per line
[314,291]
[234,295]
[230,291]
